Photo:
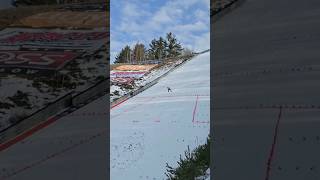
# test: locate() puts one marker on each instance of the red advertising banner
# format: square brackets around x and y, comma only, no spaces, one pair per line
[53,36]
[16,38]
[122,80]
[49,60]
[127,74]
[66,19]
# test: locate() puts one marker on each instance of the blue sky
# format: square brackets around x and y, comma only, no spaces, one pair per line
[141,21]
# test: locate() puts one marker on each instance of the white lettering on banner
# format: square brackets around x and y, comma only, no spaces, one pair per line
[20,71]
[127,74]
[35,59]
[46,60]
[26,58]
[21,58]
[122,80]
[6,56]
[12,38]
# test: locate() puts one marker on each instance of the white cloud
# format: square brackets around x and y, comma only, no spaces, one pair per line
[130,10]
[193,27]
[206,2]
[203,42]
[189,20]
[202,14]
[167,14]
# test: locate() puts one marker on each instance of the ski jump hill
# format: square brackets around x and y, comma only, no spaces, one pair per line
[266,91]
[72,147]
[155,127]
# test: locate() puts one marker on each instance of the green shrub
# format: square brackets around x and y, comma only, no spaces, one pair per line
[194,164]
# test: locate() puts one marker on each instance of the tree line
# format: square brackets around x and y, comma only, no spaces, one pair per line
[159,49]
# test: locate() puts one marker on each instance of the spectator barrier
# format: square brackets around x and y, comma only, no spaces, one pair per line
[36,118]
[89,94]
[53,109]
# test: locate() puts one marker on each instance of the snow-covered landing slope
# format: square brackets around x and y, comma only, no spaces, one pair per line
[156,126]
[72,148]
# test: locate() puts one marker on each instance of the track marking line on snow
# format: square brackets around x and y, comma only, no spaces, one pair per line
[119,103]
[51,156]
[204,122]
[157,120]
[195,109]
[27,133]
[275,137]
[133,107]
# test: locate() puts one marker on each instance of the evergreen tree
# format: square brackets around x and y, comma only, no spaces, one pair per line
[174,48]
[139,53]
[152,52]
[150,55]
[119,57]
[124,56]
[157,49]
[161,48]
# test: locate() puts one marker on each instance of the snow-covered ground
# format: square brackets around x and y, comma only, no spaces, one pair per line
[117,91]
[88,70]
[154,74]
[71,148]
[156,127]
[21,95]
[24,100]
[204,177]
